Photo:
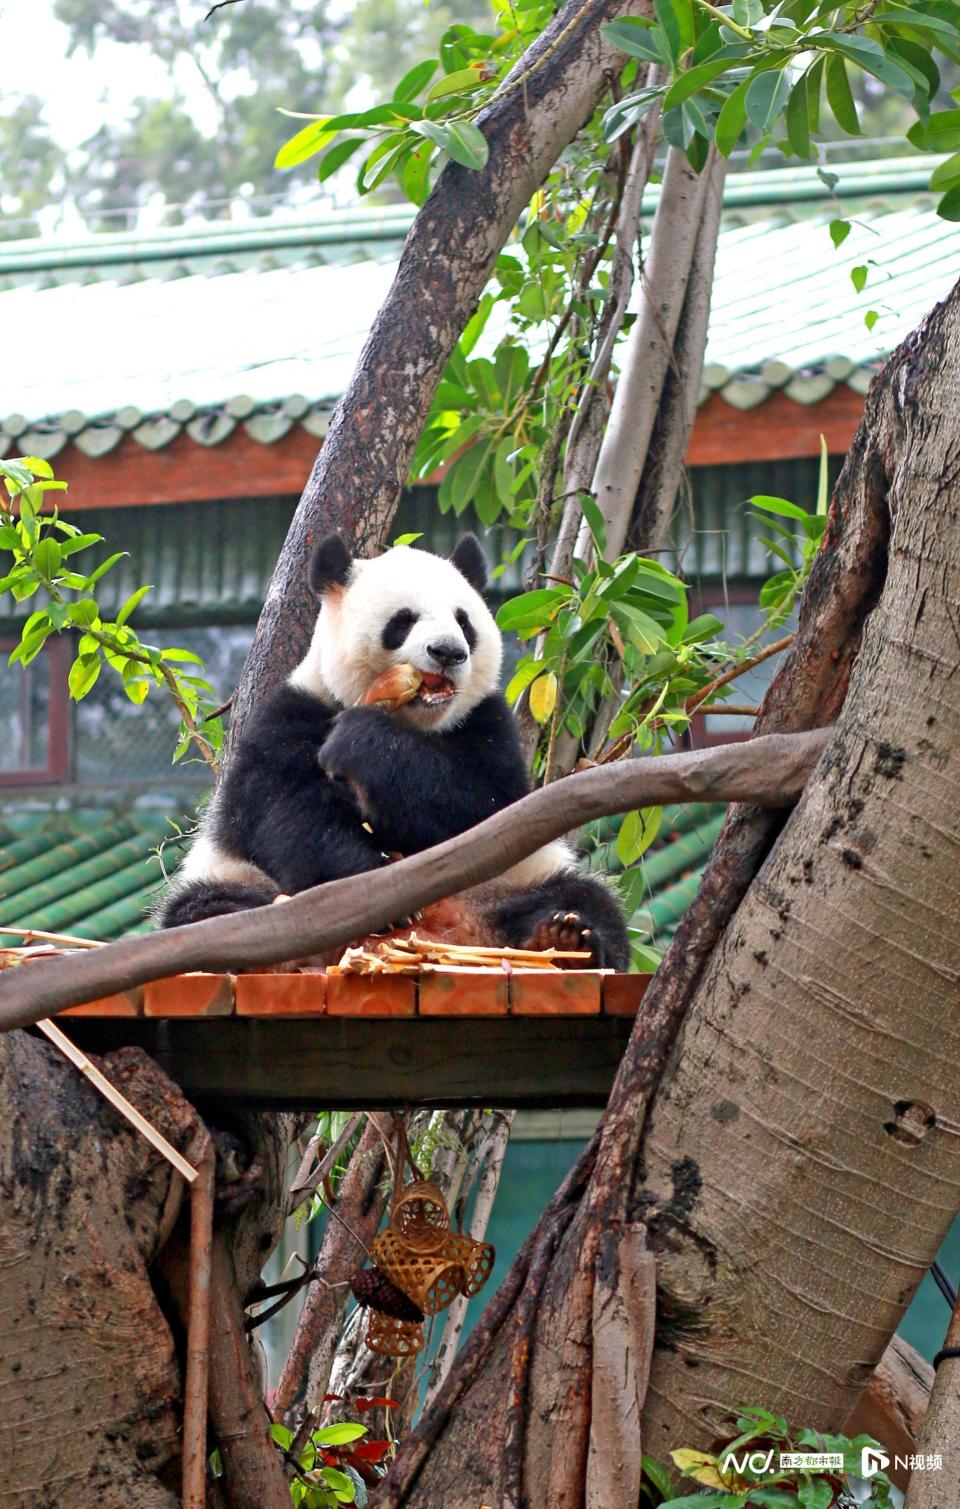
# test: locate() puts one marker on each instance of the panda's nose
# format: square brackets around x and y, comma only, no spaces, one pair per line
[447,652]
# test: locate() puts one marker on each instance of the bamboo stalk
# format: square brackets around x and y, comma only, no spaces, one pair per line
[118,1100]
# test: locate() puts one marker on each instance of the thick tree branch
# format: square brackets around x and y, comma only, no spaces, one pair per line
[771,772]
[449,255]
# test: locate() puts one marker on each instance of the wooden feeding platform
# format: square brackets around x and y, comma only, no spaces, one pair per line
[447,1036]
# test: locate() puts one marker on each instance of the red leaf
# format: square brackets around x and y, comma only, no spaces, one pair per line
[329,1398]
[376,1403]
[369,1451]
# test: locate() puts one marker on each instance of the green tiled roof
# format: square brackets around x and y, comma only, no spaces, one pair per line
[93,874]
[87,872]
[213,329]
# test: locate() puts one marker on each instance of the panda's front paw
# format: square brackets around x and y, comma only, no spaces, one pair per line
[354,748]
[568,933]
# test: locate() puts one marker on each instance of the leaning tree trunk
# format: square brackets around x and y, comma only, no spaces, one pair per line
[790,1166]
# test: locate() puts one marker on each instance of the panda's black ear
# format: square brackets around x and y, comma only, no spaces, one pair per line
[330,565]
[469,561]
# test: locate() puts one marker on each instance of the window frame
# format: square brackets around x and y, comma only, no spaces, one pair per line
[56,772]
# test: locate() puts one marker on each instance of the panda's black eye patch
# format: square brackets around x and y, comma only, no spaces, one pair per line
[397,628]
[469,632]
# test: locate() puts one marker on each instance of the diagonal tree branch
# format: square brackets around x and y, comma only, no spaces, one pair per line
[770,772]
[449,255]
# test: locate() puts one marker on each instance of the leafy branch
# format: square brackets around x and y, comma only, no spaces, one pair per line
[42,547]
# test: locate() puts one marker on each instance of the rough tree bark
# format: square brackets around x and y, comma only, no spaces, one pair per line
[817,1014]
[89,1376]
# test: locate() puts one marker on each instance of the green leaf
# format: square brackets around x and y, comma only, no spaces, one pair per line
[676,25]
[79,542]
[694,79]
[415,178]
[84,613]
[462,141]
[537,607]
[917,19]
[628,35]
[949,206]
[105,566]
[839,231]
[766,97]
[306,143]
[870,318]
[940,133]
[83,674]
[415,80]
[462,480]
[798,120]
[527,671]
[131,603]
[942,177]
[779,506]
[858,277]
[732,119]
[503,469]
[46,557]
[840,96]
[596,523]
[817,1494]
[339,1435]
[454,83]
[814,83]
[870,56]
[637,832]
[748,12]
[339,153]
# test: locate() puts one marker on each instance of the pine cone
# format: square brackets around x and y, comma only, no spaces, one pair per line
[373,1288]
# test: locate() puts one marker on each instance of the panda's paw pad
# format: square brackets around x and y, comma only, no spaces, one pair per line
[566,932]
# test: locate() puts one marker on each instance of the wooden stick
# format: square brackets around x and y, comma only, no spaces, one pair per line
[36,932]
[118,1100]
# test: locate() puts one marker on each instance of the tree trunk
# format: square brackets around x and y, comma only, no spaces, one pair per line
[88,1368]
[776,1145]
[797,1205]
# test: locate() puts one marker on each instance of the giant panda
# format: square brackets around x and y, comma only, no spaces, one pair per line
[319,787]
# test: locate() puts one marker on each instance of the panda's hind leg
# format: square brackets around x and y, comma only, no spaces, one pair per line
[569,911]
[199,899]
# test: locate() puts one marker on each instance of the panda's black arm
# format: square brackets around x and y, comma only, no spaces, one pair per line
[278,809]
[422,788]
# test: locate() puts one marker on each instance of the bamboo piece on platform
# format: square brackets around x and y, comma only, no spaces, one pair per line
[117,1099]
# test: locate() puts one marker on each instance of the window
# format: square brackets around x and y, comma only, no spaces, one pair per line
[739,609]
[116,741]
[33,717]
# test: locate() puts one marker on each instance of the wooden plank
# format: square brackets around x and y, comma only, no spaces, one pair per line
[622,994]
[193,995]
[280,995]
[348,1062]
[127,1003]
[371,995]
[456,992]
[539,992]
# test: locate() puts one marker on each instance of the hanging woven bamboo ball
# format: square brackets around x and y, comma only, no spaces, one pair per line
[476,1258]
[421,1217]
[430,1279]
[391,1337]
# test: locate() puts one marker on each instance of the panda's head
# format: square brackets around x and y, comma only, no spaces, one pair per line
[405,606]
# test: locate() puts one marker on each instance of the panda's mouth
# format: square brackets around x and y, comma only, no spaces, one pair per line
[434,689]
